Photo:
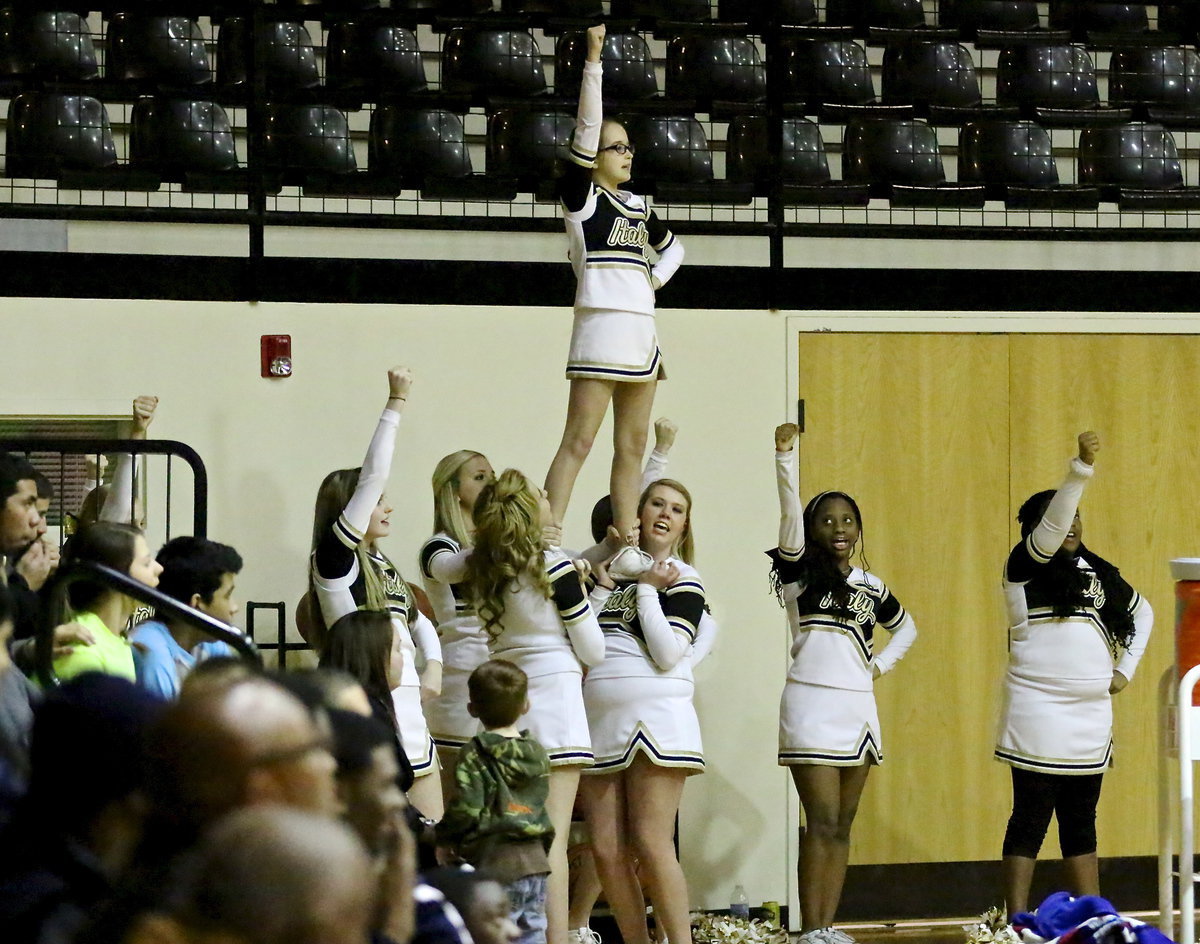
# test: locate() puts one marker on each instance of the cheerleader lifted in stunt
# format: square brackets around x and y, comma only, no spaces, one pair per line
[614,346]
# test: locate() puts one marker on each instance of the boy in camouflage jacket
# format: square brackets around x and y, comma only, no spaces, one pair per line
[497,818]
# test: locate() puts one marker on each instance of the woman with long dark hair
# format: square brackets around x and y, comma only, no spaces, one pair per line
[1076,631]
[829,734]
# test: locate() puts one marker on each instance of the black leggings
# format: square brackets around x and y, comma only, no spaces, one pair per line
[1037,797]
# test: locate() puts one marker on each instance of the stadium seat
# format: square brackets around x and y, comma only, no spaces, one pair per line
[482,62]
[803,165]
[1015,162]
[756,13]
[629,74]
[970,17]
[576,9]
[1136,164]
[1161,83]
[864,15]
[178,138]
[654,11]
[376,59]
[675,164]
[308,138]
[166,51]
[938,79]
[1056,85]
[527,145]
[427,10]
[46,45]
[1088,21]
[832,78]
[289,59]
[707,68]
[900,160]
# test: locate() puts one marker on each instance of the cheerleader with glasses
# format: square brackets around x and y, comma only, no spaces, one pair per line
[614,352]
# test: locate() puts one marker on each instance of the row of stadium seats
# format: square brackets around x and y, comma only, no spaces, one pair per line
[1135,164]
[823,76]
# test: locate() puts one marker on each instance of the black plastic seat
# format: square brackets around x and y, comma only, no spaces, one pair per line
[969,17]
[527,145]
[708,68]
[675,164]
[900,160]
[1160,82]
[46,45]
[832,78]
[427,10]
[482,62]
[576,9]
[289,59]
[938,79]
[302,139]
[654,11]
[755,12]
[49,132]
[181,139]
[1136,164]
[803,164]
[864,15]
[1015,162]
[1053,84]
[629,74]
[167,51]
[377,59]
[1087,21]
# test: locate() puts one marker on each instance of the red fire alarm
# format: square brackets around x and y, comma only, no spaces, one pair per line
[276,355]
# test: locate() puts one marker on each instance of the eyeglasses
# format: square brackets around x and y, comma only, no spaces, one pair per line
[621,148]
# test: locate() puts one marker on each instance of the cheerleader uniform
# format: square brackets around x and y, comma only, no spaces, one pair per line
[640,697]
[827,714]
[614,336]
[464,644]
[1057,712]
[341,589]
[549,639]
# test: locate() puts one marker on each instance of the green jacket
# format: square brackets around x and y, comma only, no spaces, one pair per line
[502,786]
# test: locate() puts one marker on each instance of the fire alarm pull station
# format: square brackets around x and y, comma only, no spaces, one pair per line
[276,355]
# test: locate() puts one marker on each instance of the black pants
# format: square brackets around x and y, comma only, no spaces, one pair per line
[1037,797]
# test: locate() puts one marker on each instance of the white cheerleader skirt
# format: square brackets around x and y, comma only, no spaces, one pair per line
[653,716]
[835,727]
[449,723]
[614,345]
[1056,726]
[557,720]
[414,733]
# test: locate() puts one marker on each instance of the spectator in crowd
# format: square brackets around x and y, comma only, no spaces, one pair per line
[480,899]
[266,875]
[72,837]
[200,573]
[19,518]
[16,714]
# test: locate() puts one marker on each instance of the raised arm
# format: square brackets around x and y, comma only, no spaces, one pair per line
[576,182]
[335,552]
[791,515]
[119,505]
[1047,537]
[664,439]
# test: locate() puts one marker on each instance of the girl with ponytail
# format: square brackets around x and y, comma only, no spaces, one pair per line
[534,610]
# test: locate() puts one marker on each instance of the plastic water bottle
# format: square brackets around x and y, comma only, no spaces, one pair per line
[739,904]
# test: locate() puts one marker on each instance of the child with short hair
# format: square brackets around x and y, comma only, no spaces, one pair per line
[497,819]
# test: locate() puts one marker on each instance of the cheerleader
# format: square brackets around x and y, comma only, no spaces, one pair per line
[614,352]
[828,724]
[349,572]
[533,608]
[457,481]
[645,733]
[1076,631]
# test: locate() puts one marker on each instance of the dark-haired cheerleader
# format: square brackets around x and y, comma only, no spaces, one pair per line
[1076,631]
[828,725]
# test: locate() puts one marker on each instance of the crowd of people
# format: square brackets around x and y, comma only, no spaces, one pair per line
[168,791]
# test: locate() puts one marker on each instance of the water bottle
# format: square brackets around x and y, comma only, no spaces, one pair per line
[739,904]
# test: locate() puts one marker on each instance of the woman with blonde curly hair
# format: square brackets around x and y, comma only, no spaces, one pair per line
[349,572]
[534,609]
[457,481]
